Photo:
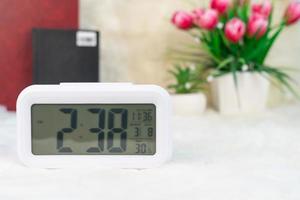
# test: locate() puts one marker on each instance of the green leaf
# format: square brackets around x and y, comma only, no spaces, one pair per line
[242,12]
[215,44]
[271,42]
[234,73]
[271,80]
[231,13]
[225,63]
[282,78]
[256,48]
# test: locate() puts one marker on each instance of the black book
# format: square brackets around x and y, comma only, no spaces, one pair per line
[65,56]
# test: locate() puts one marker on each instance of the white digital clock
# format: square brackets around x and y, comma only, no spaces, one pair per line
[118,125]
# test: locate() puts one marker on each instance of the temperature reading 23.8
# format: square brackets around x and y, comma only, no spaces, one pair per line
[94,129]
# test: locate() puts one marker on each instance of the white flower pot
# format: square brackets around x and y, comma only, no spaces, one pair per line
[189,104]
[250,96]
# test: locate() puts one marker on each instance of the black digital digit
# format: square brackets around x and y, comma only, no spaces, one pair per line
[63,131]
[147,116]
[113,130]
[139,116]
[137,131]
[99,130]
[136,116]
[150,131]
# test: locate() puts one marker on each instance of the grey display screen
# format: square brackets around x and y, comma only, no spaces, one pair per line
[93,129]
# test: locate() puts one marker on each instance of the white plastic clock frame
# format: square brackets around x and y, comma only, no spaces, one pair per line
[94,93]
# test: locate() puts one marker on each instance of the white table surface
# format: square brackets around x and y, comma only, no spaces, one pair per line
[215,158]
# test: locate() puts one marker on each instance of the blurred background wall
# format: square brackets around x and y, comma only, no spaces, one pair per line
[17,19]
[136,34]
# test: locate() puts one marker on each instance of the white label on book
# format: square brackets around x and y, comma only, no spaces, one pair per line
[86,39]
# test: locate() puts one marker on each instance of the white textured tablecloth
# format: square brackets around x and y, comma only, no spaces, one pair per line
[215,158]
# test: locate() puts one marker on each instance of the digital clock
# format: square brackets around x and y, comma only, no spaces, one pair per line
[94,124]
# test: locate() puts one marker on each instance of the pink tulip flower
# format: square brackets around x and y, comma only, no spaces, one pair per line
[292,13]
[257,26]
[220,5]
[264,8]
[182,20]
[235,29]
[206,19]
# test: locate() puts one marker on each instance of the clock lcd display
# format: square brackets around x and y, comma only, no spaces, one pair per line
[93,129]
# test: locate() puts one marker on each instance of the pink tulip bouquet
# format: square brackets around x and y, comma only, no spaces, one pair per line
[236,36]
